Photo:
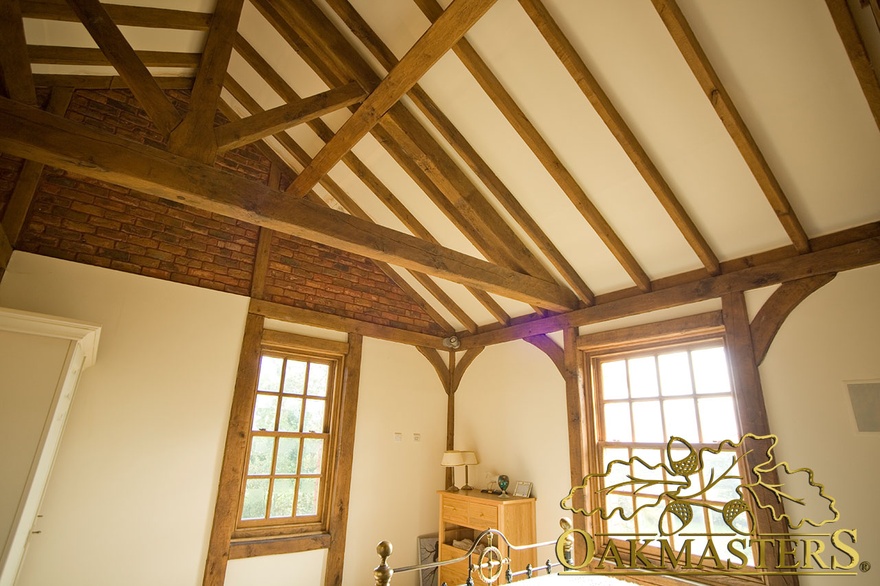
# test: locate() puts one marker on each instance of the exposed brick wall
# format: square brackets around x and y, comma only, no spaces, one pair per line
[92,222]
[97,223]
[312,276]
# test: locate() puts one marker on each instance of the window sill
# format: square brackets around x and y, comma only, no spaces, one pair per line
[247,548]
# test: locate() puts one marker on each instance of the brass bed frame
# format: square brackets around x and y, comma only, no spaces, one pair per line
[492,563]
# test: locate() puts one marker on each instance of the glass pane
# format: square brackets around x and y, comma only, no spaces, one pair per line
[318,374]
[619,471]
[264,412]
[256,494]
[314,419]
[643,377]
[282,497]
[648,426]
[312,453]
[710,370]
[616,524]
[716,467]
[644,471]
[295,377]
[618,427]
[614,380]
[681,419]
[261,455]
[648,515]
[307,499]
[270,374]
[717,419]
[290,414]
[675,374]
[288,455]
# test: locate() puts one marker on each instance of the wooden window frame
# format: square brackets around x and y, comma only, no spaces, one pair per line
[313,524]
[228,540]
[665,334]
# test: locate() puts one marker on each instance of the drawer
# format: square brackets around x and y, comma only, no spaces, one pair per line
[452,574]
[455,510]
[482,516]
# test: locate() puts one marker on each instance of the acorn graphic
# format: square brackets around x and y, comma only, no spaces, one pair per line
[687,465]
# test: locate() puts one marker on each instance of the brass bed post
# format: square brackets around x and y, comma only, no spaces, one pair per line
[383,571]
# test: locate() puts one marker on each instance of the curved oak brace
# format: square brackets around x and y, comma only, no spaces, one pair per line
[550,348]
[462,364]
[774,311]
[443,371]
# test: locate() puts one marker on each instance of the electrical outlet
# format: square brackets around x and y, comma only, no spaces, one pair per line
[417,437]
[398,437]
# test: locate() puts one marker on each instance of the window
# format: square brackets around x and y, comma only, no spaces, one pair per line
[643,399]
[288,444]
[289,448]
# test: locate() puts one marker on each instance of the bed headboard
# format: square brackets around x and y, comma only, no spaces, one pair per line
[491,563]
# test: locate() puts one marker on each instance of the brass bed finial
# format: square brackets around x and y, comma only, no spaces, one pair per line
[383,571]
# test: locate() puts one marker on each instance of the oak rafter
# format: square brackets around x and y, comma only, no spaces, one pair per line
[122,56]
[468,154]
[268,122]
[542,150]
[450,27]
[702,68]
[868,76]
[603,105]
[194,137]
[15,69]
[122,15]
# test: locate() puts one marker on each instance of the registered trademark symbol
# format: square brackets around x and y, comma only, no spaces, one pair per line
[865,566]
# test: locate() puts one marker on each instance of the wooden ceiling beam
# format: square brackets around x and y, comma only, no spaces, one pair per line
[140,16]
[15,68]
[834,259]
[542,150]
[603,105]
[5,250]
[33,134]
[371,181]
[15,214]
[332,57]
[857,53]
[451,26]
[194,137]
[343,324]
[55,55]
[269,122]
[296,151]
[420,98]
[105,82]
[122,56]
[708,79]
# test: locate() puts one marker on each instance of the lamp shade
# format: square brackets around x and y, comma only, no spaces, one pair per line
[470,458]
[452,458]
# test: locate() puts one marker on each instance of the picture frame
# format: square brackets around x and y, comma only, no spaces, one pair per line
[523,489]
[428,553]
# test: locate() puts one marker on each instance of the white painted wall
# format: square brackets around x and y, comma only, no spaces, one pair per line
[510,408]
[394,483]
[132,493]
[832,337]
